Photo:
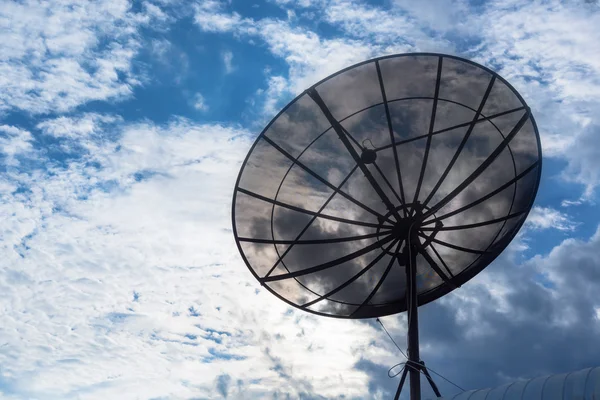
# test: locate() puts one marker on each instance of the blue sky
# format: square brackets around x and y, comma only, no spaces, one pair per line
[122,128]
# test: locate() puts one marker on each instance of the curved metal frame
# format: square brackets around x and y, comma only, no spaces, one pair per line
[468,272]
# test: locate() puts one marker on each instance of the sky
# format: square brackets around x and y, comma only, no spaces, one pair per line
[123,125]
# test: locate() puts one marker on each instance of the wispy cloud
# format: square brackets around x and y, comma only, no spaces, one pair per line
[200,102]
[549,63]
[228,61]
[72,214]
[160,48]
[569,203]
[14,142]
[535,46]
[277,86]
[58,55]
[76,128]
[547,217]
[211,17]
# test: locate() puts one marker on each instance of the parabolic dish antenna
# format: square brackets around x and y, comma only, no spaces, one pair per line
[385,186]
[329,190]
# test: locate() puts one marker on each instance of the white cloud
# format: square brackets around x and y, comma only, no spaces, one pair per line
[533,45]
[14,142]
[309,57]
[76,128]
[584,156]
[298,3]
[160,48]
[227,57]
[200,102]
[390,27]
[87,132]
[557,144]
[430,14]
[153,217]
[209,15]
[547,217]
[541,36]
[171,59]
[569,203]
[277,86]
[57,55]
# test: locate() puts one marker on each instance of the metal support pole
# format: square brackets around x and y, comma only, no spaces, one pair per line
[413,322]
[431,382]
[402,379]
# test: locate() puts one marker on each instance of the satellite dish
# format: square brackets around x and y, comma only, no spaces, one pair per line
[387,185]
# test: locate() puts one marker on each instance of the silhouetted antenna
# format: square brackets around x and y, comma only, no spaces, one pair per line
[385,186]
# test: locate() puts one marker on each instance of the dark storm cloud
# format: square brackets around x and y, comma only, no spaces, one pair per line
[539,330]
[479,338]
